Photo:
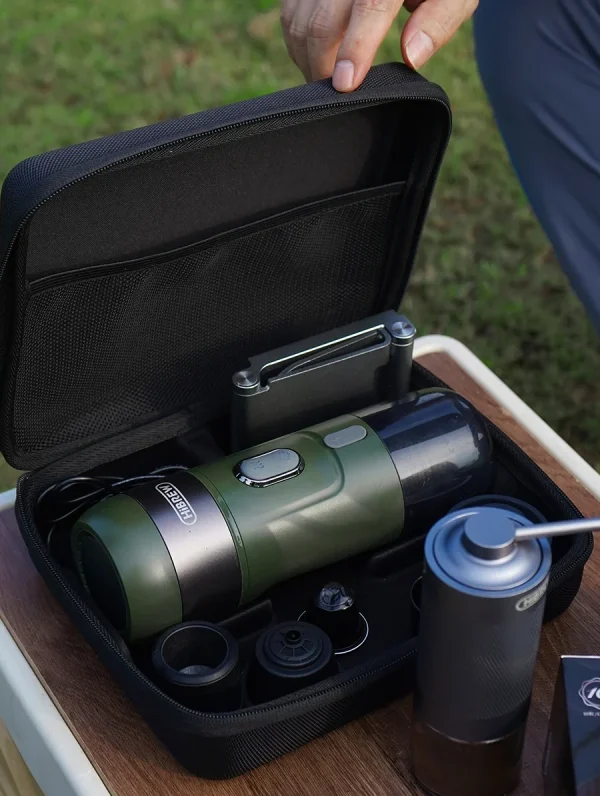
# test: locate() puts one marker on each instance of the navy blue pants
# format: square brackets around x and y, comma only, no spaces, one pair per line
[540,65]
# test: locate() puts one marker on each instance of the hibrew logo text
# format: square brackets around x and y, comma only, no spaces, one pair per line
[532,598]
[178,503]
[590,693]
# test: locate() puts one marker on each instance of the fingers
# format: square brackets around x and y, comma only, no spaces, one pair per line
[312,30]
[370,21]
[326,27]
[432,24]
[294,20]
[340,38]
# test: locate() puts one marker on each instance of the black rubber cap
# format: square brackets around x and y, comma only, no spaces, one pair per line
[333,608]
[289,656]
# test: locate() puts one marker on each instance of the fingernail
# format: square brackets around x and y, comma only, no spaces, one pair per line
[343,76]
[419,49]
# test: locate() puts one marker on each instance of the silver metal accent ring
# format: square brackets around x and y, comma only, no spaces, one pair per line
[276,479]
[359,643]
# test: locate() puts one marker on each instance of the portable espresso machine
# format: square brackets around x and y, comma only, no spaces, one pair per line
[205,541]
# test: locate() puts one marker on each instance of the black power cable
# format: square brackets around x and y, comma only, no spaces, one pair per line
[68,499]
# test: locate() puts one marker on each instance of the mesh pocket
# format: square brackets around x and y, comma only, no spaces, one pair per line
[104,352]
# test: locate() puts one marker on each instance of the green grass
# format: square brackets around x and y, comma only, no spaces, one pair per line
[75,70]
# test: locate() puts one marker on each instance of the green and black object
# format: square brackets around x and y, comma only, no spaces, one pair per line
[205,541]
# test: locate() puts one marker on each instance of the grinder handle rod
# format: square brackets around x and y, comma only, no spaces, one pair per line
[558,528]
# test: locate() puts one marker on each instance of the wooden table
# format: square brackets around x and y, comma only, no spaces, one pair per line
[368,757]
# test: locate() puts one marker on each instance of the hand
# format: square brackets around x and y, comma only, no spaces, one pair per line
[340,38]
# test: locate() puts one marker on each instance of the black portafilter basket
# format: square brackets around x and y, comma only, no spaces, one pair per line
[198,665]
[289,656]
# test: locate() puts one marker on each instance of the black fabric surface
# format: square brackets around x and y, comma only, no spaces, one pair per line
[36,178]
[134,343]
[105,288]
[182,199]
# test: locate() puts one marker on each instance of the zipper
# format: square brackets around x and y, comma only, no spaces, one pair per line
[130,158]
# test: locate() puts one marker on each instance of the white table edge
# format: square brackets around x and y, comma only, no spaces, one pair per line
[47,745]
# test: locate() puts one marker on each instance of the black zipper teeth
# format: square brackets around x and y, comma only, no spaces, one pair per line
[347,103]
[215,718]
[560,568]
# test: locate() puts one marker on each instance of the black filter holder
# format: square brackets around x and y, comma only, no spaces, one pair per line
[288,657]
[139,271]
[198,664]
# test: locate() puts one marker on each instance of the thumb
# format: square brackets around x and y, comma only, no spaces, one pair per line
[431,25]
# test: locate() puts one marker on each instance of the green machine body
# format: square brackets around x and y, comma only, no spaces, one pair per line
[206,541]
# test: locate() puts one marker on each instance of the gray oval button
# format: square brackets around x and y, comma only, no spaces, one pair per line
[269,468]
[345,436]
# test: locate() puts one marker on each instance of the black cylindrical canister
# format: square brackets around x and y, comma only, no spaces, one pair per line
[482,603]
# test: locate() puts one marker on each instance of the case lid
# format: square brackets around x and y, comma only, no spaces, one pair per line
[140,270]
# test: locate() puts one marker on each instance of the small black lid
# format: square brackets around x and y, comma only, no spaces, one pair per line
[141,270]
[334,609]
[294,648]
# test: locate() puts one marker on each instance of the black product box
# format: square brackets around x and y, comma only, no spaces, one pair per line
[572,754]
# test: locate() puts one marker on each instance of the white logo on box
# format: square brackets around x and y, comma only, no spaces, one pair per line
[590,693]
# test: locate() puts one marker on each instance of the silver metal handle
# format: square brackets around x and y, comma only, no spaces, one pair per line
[559,528]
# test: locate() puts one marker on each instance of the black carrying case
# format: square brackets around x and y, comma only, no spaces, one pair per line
[141,270]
